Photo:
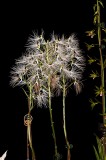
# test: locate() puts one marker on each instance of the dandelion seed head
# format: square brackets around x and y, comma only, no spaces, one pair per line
[43,59]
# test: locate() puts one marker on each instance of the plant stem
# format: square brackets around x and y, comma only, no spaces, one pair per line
[101,62]
[64,121]
[51,118]
[50,108]
[29,134]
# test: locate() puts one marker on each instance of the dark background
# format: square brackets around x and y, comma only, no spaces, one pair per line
[18,19]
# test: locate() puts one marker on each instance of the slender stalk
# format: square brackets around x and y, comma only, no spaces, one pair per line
[50,108]
[101,62]
[64,121]
[27,145]
[29,134]
[51,118]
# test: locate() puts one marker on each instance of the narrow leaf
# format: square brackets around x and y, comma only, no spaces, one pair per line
[100,2]
[96,153]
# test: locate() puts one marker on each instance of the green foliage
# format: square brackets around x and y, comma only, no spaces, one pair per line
[91,60]
[98,91]
[93,102]
[89,46]
[99,151]
[97,48]
[94,74]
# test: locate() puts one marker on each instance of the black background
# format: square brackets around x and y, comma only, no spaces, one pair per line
[18,19]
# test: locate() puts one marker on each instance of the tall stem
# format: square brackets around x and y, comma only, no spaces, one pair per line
[50,108]
[51,118]
[29,134]
[64,121]
[101,62]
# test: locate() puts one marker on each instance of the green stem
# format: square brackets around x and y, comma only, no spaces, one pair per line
[64,117]
[30,141]
[29,135]
[101,62]
[50,109]
[51,118]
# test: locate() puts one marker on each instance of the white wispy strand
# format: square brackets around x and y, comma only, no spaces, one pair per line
[17,73]
[42,98]
[64,57]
